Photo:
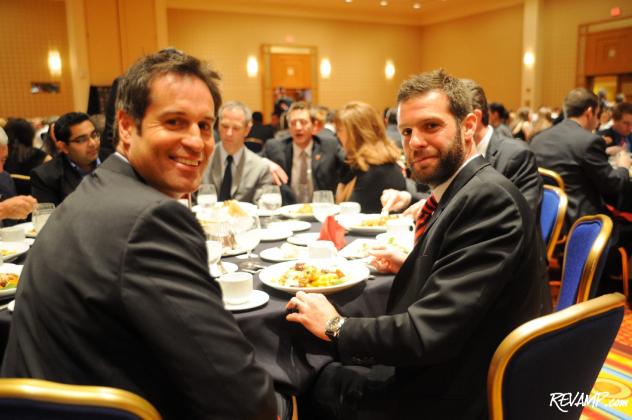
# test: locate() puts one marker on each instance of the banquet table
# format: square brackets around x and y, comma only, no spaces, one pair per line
[291,354]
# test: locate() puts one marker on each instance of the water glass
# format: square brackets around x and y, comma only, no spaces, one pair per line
[41,213]
[323,204]
[269,197]
[207,195]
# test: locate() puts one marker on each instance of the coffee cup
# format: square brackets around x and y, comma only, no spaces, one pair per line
[399,226]
[13,234]
[350,207]
[236,287]
[321,249]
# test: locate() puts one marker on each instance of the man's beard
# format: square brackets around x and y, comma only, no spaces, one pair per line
[448,164]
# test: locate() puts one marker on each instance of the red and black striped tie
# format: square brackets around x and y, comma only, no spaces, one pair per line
[424,216]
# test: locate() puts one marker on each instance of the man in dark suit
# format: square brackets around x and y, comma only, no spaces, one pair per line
[471,278]
[572,150]
[308,162]
[116,290]
[78,142]
[619,135]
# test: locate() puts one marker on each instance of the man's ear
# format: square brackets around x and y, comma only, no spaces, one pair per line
[62,147]
[469,126]
[126,128]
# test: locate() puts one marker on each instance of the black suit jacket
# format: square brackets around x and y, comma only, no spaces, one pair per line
[475,275]
[328,163]
[130,304]
[370,184]
[54,180]
[579,157]
[516,162]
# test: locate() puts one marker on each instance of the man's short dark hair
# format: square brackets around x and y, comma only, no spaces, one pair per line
[620,109]
[500,109]
[391,116]
[135,87]
[65,122]
[300,105]
[420,84]
[479,100]
[257,117]
[578,100]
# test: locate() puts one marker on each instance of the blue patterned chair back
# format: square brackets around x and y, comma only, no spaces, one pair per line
[31,399]
[583,259]
[558,353]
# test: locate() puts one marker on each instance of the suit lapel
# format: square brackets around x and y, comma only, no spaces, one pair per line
[239,173]
[289,155]
[216,169]
[492,149]
[316,155]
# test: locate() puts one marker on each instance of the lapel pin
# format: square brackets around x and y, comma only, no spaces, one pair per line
[317,157]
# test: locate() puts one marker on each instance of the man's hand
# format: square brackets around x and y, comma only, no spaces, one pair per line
[17,207]
[622,160]
[394,200]
[386,260]
[613,150]
[414,210]
[279,177]
[313,311]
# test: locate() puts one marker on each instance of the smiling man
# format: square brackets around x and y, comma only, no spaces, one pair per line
[116,290]
[472,277]
[78,142]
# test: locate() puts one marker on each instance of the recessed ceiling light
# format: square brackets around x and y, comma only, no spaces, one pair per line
[383,3]
[416,6]
[348,1]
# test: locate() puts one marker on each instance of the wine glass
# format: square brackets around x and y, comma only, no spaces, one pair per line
[323,204]
[207,196]
[40,216]
[270,200]
[214,250]
[246,230]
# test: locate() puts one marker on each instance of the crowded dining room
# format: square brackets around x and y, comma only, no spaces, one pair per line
[332,209]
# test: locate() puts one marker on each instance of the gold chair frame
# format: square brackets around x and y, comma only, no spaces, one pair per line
[597,248]
[530,331]
[559,220]
[83,395]
[547,173]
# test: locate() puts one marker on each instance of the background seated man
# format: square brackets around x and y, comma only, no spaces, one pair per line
[11,207]
[236,171]
[78,142]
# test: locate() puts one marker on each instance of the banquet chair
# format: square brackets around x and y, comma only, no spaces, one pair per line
[27,399]
[550,177]
[22,183]
[552,213]
[584,258]
[540,360]
[254,144]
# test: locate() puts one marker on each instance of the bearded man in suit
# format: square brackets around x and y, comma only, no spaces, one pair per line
[116,291]
[473,276]
[248,171]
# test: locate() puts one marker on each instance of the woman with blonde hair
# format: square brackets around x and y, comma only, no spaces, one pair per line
[373,158]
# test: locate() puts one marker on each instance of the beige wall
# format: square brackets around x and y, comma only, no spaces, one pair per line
[28,29]
[357,52]
[560,19]
[485,47]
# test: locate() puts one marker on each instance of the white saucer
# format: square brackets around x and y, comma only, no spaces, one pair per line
[304,239]
[293,225]
[11,306]
[257,298]
[275,234]
[228,266]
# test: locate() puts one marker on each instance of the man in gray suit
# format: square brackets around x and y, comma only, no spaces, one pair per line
[236,172]
[116,290]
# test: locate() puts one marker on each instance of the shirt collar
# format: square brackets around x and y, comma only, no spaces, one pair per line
[80,171]
[484,144]
[440,189]
[223,154]
[308,150]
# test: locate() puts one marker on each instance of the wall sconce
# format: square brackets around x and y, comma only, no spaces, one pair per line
[389,69]
[54,63]
[252,66]
[528,59]
[325,68]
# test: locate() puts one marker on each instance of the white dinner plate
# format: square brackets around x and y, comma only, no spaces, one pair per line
[11,269]
[401,242]
[352,222]
[292,211]
[29,229]
[231,252]
[293,225]
[267,213]
[12,250]
[359,248]
[287,252]
[275,234]
[228,268]
[355,273]
[248,207]
[257,298]
[304,239]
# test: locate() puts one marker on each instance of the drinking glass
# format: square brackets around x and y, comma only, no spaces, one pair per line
[270,200]
[207,196]
[214,250]
[323,204]
[41,213]
[247,232]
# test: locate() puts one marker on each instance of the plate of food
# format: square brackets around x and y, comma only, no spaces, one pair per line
[285,252]
[293,225]
[12,250]
[303,211]
[29,229]
[233,207]
[9,277]
[400,242]
[274,234]
[317,275]
[369,224]
[358,248]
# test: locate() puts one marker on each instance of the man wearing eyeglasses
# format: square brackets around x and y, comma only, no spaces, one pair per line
[78,142]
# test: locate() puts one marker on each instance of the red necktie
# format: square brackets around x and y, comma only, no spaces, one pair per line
[424,216]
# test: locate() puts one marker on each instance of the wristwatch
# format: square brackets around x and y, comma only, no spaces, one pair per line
[332,330]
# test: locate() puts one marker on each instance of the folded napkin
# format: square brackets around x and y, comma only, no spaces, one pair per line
[334,232]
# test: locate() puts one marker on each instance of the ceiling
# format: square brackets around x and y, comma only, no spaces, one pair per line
[400,12]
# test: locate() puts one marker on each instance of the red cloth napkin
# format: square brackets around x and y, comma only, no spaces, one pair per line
[334,232]
[621,215]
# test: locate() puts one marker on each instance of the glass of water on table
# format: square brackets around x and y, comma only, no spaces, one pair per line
[40,216]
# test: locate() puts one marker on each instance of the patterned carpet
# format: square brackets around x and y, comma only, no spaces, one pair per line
[615,378]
